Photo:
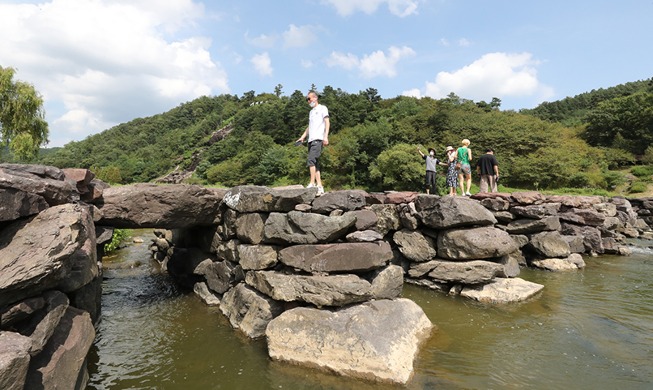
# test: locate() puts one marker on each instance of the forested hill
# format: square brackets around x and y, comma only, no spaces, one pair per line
[373,142]
[572,110]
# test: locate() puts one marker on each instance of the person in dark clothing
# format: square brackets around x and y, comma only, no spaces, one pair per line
[488,167]
[431,163]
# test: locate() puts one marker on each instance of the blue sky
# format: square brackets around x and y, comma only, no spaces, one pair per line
[99,63]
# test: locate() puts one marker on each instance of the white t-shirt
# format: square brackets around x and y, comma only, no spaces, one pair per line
[316,123]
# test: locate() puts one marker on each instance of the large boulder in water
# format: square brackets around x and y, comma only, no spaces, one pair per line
[375,340]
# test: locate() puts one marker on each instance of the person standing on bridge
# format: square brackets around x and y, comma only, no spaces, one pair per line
[318,136]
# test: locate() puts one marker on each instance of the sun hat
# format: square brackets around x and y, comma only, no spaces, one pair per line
[449,148]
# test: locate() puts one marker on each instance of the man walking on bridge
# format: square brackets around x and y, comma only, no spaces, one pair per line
[318,136]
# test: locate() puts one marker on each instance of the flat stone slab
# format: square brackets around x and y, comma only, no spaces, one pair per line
[376,340]
[503,290]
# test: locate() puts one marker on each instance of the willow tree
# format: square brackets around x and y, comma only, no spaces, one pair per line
[22,123]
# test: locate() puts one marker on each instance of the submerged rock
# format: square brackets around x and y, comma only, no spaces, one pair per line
[502,290]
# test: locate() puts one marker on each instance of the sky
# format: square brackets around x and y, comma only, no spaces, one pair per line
[99,63]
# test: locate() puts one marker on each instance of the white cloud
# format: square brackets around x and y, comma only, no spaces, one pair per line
[464,42]
[298,36]
[372,65]
[493,75]
[399,8]
[99,62]
[262,64]
[264,41]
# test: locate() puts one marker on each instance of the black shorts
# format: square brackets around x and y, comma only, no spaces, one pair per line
[314,152]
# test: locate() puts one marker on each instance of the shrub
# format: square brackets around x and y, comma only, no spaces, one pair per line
[638,187]
[644,171]
[119,235]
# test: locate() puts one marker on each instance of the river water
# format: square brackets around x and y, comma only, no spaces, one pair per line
[589,329]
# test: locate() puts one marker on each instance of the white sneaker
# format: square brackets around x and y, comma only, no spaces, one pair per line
[320,190]
[468,194]
[311,185]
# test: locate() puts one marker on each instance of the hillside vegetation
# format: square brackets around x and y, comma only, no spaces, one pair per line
[579,142]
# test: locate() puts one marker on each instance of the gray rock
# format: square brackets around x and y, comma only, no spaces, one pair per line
[249,227]
[408,216]
[365,219]
[387,218]
[511,263]
[89,298]
[575,201]
[465,272]
[62,364]
[591,236]
[340,257]
[256,199]
[417,270]
[54,191]
[335,290]
[20,311]
[14,360]
[503,216]
[520,239]
[528,197]
[495,204]
[415,246]
[573,262]
[202,291]
[549,244]
[257,257]
[452,211]
[57,304]
[575,243]
[302,228]
[376,340]
[611,223]
[570,217]
[474,244]
[364,236]
[103,234]
[339,200]
[590,217]
[502,291]
[15,204]
[530,226]
[42,171]
[387,283]
[248,310]
[228,250]
[220,275]
[54,250]
[537,211]
[607,209]
[165,206]
[229,218]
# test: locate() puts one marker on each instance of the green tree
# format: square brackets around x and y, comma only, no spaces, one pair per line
[624,122]
[397,168]
[22,123]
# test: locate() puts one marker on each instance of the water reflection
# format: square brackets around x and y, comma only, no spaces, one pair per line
[588,329]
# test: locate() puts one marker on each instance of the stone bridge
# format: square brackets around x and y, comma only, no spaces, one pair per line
[280,262]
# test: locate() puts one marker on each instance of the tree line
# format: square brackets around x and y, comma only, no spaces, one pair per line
[573,143]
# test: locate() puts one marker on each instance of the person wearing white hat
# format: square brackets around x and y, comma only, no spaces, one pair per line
[452,172]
